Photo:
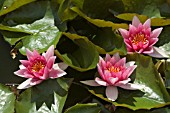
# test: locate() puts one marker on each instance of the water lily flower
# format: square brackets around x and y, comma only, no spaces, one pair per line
[114,72]
[141,39]
[39,68]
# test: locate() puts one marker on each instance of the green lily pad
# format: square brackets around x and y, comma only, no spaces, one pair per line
[48,97]
[43,34]
[26,14]
[10,5]
[84,57]
[84,108]
[98,22]
[7,100]
[158,110]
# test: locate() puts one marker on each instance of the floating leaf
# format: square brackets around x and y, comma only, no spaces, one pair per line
[26,14]
[84,108]
[10,5]
[159,110]
[24,104]
[43,93]
[43,31]
[98,22]
[84,57]
[7,100]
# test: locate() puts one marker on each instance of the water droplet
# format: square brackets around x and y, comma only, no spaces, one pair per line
[5,7]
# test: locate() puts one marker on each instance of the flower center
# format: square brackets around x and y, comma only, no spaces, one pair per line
[37,66]
[114,69]
[139,38]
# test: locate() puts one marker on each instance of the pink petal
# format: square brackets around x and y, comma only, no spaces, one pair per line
[147,24]
[49,53]
[35,53]
[123,82]
[35,81]
[100,72]
[22,73]
[140,27]
[135,21]
[152,41]
[158,53]
[124,33]
[62,65]
[132,29]
[45,74]
[115,58]
[111,93]
[90,82]
[148,50]
[56,73]
[128,44]
[22,67]
[130,86]
[25,84]
[25,62]
[107,58]
[101,82]
[129,71]
[131,63]
[113,80]
[101,63]
[156,32]
[50,62]
[121,62]
[29,54]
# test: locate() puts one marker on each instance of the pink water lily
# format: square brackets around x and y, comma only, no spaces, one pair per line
[39,68]
[141,39]
[114,72]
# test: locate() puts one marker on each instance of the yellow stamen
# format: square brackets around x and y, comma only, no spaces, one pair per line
[37,66]
[114,69]
[139,38]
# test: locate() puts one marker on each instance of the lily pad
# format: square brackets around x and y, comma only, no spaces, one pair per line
[84,57]
[7,100]
[84,108]
[10,5]
[48,99]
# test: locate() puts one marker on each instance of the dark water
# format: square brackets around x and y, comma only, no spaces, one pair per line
[7,64]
